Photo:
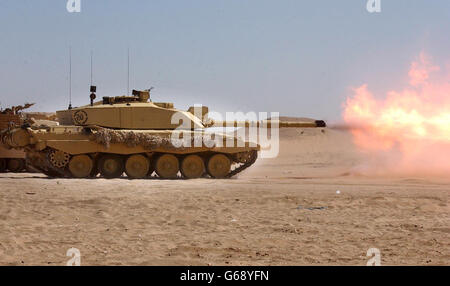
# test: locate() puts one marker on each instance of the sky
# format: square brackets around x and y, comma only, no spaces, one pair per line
[298,58]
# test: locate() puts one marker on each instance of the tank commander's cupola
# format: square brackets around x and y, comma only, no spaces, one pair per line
[143,96]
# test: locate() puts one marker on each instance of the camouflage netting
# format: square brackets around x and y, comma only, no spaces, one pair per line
[148,141]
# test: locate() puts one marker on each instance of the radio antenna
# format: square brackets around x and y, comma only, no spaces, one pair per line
[128,73]
[92,55]
[70,77]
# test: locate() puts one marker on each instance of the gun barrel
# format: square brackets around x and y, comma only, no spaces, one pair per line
[270,124]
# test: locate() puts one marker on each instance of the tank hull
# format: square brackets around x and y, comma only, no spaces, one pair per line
[74,151]
[11,153]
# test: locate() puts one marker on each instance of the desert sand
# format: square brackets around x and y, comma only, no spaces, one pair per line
[311,205]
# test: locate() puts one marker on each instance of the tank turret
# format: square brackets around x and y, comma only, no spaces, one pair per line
[10,159]
[128,112]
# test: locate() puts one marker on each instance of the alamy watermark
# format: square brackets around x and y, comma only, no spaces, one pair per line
[375,255]
[236,129]
[373,6]
[73,6]
[75,255]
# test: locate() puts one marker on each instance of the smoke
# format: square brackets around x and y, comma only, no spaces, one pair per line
[406,131]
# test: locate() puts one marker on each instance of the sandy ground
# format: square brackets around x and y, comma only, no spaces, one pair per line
[283,211]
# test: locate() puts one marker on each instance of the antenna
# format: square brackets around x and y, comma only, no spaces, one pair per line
[93,89]
[128,73]
[92,55]
[70,77]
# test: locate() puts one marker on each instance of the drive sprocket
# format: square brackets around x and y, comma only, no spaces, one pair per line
[59,159]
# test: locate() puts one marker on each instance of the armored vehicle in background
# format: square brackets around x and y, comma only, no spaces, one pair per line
[134,135]
[12,160]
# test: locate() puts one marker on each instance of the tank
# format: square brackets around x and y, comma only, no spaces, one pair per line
[138,137]
[10,159]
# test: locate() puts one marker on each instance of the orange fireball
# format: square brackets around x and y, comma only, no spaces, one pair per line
[414,123]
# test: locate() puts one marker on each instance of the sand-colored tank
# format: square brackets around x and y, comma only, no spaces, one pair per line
[134,135]
[12,160]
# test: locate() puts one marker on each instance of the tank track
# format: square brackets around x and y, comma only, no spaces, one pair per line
[43,165]
[251,161]
[46,167]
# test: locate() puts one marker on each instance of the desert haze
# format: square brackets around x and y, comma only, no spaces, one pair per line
[315,204]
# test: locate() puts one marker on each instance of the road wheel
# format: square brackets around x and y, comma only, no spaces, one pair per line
[137,166]
[219,166]
[80,166]
[3,165]
[167,166]
[192,167]
[16,165]
[111,166]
